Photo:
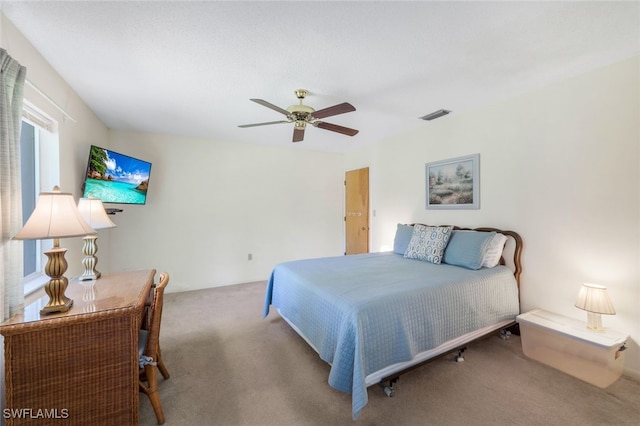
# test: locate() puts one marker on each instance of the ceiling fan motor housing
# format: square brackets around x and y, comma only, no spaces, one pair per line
[300,108]
[300,114]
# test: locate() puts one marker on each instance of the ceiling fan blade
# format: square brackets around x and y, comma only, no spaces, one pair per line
[334,110]
[270,105]
[263,124]
[298,135]
[336,128]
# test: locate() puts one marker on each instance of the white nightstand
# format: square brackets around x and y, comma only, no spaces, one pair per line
[568,345]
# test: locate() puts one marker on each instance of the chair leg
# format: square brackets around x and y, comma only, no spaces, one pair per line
[163,368]
[152,392]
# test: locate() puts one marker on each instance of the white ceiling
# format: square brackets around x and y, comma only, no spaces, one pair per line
[190,68]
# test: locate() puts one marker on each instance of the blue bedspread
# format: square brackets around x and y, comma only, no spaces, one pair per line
[365,312]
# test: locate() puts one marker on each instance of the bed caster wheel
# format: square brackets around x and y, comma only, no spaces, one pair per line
[505,334]
[388,389]
[459,358]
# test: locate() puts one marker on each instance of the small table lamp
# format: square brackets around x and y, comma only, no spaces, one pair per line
[595,300]
[55,216]
[93,212]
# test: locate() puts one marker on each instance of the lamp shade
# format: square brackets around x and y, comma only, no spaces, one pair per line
[93,212]
[594,298]
[55,216]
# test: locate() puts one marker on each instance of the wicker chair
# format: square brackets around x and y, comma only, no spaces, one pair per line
[149,352]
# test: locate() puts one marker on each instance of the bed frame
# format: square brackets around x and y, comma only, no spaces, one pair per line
[513,246]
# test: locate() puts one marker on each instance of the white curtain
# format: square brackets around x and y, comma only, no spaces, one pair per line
[12,76]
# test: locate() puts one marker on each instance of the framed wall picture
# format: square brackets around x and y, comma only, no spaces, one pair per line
[454,183]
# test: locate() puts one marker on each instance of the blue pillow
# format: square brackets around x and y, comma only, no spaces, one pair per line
[467,248]
[403,236]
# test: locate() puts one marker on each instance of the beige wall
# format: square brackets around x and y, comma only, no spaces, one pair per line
[210,204]
[558,165]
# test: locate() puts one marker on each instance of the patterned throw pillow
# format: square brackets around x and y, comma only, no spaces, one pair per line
[428,243]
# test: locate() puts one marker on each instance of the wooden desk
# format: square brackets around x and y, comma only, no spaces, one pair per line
[79,367]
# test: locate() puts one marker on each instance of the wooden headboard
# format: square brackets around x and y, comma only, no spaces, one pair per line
[516,247]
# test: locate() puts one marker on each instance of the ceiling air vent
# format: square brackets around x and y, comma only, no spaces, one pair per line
[437,114]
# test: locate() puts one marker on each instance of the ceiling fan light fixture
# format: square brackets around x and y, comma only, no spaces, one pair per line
[436,114]
[301,125]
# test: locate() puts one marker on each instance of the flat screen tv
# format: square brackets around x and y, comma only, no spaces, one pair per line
[116,178]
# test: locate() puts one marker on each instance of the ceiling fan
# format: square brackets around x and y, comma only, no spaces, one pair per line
[301,115]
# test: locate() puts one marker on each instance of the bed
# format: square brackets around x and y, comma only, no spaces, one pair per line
[373,316]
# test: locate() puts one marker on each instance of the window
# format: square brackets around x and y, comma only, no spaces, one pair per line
[40,169]
[29,177]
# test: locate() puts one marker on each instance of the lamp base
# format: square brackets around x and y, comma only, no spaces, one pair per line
[89,249]
[55,268]
[89,276]
[594,322]
[62,306]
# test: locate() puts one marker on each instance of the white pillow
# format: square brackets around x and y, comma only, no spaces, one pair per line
[494,251]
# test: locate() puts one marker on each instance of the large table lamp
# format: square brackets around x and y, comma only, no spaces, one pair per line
[55,216]
[93,212]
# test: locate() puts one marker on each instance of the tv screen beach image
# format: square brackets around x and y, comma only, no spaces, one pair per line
[116,178]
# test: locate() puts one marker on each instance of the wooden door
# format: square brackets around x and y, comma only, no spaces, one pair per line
[357,211]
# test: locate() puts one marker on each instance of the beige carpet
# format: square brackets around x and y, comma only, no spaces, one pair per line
[231,367]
